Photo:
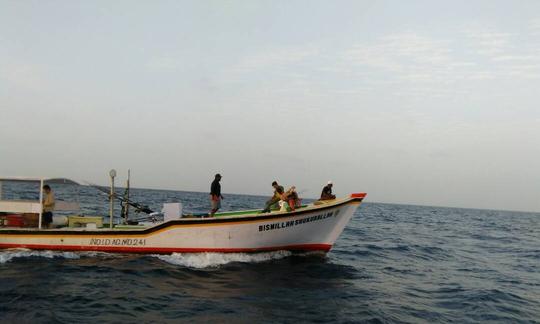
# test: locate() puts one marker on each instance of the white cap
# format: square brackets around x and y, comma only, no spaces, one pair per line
[330,182]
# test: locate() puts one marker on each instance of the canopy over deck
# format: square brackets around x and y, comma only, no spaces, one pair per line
[35,206]
[36,179]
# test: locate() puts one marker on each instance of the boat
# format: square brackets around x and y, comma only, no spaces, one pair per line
[311,227]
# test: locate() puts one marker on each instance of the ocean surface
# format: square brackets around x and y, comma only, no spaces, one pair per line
[392,264]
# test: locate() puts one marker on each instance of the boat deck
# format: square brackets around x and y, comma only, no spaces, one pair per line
[186,218]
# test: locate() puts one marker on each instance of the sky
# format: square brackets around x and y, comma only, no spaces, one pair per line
[415,102]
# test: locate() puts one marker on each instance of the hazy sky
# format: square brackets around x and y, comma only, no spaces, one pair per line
[420,102]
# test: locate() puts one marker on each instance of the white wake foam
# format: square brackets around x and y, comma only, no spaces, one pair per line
[210,259]
[10,254]
[190,260]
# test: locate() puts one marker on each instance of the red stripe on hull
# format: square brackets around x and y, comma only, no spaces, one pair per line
[148,250]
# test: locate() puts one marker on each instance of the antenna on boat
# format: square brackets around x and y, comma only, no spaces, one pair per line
[125,204]
[112,174]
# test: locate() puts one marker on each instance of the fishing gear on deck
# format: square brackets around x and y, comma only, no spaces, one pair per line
[154,217]
[138,206]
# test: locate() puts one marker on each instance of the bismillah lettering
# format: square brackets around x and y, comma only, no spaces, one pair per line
[282,225]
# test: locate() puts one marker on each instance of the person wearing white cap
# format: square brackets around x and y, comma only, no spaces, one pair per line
[326,193]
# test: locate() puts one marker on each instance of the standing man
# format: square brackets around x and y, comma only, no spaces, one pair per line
[215,195]
[48,207]
[326,193]
[278,191]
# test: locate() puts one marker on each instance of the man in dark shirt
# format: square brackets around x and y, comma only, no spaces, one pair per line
[215,195]
[326,193]
[278,191]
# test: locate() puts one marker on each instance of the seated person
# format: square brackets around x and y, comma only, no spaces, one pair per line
[326,193]
[291,197]
[278,191]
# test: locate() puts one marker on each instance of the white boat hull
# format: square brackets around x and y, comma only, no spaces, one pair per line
[315,228]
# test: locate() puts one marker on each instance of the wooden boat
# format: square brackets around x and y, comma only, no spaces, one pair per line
[313,227]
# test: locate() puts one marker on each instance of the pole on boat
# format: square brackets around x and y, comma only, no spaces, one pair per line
[126,196]
[112,174]
[41,202]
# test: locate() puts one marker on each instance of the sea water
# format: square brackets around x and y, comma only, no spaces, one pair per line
[393,263]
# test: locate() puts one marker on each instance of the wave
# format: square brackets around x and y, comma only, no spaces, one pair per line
[212,259]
